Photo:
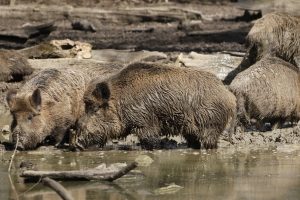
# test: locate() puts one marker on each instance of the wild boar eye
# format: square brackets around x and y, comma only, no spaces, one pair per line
[30,116]
[96,108]
[90,107]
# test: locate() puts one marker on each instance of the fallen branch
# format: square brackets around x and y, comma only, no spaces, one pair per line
[57,187]
[78,175]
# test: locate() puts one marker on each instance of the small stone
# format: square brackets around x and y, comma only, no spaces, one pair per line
[5,129]
[170,189]
[144,160]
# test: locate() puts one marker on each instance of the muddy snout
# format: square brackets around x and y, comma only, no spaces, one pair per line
[75,132]
[17,141]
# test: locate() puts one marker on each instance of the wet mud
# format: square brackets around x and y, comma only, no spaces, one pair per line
[176,30]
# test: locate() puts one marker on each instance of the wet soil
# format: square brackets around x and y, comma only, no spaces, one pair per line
[156,26]
[170,28]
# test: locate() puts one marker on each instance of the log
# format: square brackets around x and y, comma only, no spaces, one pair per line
[57,187]
[78,175]
[21,35]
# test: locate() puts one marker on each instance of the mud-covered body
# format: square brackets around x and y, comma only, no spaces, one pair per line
[277,34]
[268,91]
[152,100]
[13,66]
[48,104]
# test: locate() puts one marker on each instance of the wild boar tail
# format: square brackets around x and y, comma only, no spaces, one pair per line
[242,116]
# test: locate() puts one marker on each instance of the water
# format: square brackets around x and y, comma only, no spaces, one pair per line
[216,174]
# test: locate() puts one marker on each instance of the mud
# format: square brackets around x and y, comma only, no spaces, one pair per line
[170,28]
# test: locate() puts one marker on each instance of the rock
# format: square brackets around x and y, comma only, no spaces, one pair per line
[27,165]
[170,189]
[144,160]
[83,25]
[5,134]
[59,49]
[111,168]
[5,129]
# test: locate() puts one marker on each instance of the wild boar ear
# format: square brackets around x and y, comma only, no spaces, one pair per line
[36,99]
[101,91]
[11,97]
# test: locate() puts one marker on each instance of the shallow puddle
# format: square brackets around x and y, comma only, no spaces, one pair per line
[175,174]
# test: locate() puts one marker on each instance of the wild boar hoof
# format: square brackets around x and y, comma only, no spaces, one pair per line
[76,147]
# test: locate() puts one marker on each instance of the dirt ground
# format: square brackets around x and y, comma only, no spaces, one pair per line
[140,26]
[170,27]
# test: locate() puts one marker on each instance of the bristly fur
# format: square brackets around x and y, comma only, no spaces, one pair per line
[268,91]
[58,94]
[276,34]
[152,100]
[13,66]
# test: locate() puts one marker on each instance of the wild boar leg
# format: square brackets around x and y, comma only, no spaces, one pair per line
[149,137]
[209,138]
[192,140]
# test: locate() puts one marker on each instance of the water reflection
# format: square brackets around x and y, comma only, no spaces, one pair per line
[217,174]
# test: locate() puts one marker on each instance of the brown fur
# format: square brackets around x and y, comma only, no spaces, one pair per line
[49,103]
[277,34]
[153,100]
[13,66]
[268,91]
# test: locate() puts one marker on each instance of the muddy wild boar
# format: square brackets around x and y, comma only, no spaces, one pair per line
[275,33]
[13,66]
[267,92]
[48,104]
[151,101]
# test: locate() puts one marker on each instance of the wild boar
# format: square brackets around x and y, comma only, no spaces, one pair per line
[150,101]
[48,104]
[13,66]
[277,34]
[267,92]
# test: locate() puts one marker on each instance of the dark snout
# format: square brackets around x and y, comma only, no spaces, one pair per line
[75,132]
[23,141]
[16,140]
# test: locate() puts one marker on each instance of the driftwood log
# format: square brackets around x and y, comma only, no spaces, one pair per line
[78,175]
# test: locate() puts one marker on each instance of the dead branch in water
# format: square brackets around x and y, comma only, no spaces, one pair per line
[57,187]
[78,175]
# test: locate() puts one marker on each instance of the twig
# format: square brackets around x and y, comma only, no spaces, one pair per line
[13,155]
[57,187]
[13,187]
[30,188]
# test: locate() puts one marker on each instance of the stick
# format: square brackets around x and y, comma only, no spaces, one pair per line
[23,193]
[13,155]
[13,188]
[57,187]
[78,175]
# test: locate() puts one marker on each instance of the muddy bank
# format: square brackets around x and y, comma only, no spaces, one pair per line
[209,35]
[219,64]
[159,27]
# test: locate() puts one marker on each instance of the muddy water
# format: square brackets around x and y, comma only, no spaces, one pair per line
[177,174]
